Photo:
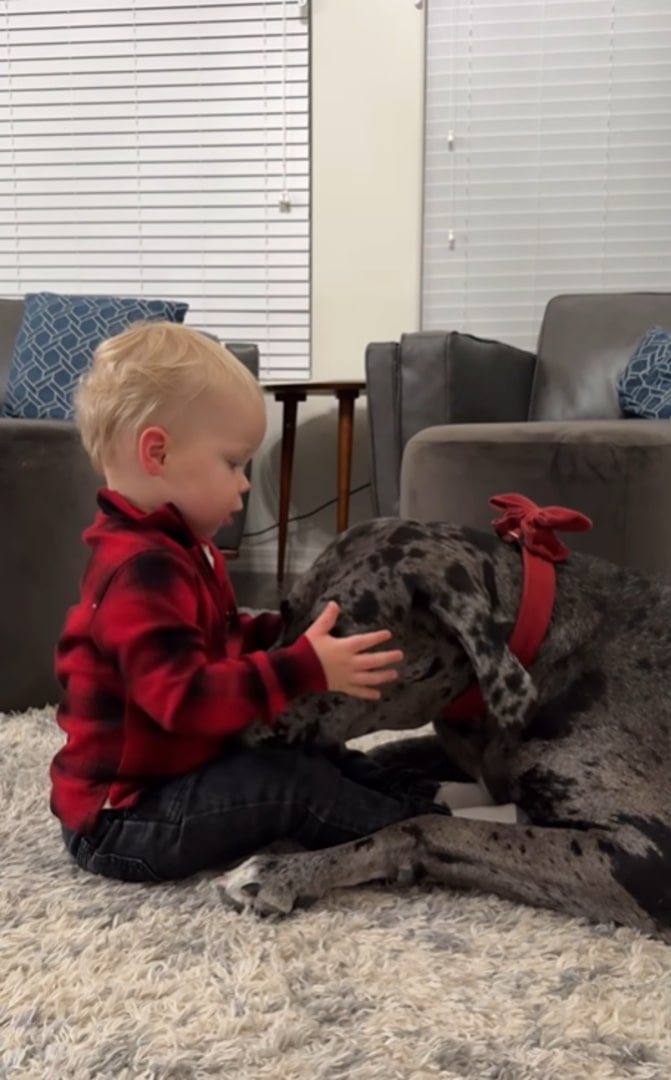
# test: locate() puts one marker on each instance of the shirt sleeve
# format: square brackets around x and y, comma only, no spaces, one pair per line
[147,622]
[260,631]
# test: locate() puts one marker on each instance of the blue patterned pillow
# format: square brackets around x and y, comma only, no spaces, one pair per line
[55,345]
[644,387]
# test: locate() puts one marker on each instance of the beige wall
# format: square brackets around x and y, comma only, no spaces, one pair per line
[367,102]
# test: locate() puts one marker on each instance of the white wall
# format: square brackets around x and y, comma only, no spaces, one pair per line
[367,121]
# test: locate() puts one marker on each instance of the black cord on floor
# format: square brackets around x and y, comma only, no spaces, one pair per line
[302,517]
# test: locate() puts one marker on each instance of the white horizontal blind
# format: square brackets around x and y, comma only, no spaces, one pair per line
[145,148]
[548,157]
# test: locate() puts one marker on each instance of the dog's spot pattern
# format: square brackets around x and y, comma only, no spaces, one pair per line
[366,608]
[458,578]
[413,831]
[546,796]
[417,591]
[636,617]
[489,578]
[490,635]
[392,555]
[514,682]
[645,876]
[433,669]
[406,534]
[555,719]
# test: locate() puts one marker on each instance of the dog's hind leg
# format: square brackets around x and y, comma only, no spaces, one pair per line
[590,873]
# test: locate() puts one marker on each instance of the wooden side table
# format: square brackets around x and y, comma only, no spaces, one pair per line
[290,394]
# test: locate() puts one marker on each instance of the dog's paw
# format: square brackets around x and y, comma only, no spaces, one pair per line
[256,884]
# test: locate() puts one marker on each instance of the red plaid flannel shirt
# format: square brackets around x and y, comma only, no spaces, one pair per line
[157,664]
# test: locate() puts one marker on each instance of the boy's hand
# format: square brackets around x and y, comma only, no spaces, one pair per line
[348,666]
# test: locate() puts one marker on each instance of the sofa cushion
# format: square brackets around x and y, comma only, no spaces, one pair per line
[431,378]
[585,343]
[55,346]
[644,388]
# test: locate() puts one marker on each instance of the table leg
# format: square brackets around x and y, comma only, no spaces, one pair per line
[346,399]
[289,412]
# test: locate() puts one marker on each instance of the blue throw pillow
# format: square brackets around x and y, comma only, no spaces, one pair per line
[55,346]
[644,387]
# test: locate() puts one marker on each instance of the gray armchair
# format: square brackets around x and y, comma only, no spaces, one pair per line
[454,420]
[47,494]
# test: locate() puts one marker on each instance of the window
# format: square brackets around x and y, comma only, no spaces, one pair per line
[162,149]
[548,157]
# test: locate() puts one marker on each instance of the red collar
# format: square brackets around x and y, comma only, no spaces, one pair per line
[532,528]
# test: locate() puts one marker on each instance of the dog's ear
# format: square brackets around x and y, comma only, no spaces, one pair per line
[465,614]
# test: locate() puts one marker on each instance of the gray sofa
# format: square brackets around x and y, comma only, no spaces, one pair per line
[47,493]
[489,419]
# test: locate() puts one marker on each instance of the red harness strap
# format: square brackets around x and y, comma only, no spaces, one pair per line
[532,528]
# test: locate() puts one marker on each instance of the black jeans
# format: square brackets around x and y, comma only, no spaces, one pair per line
[244,800]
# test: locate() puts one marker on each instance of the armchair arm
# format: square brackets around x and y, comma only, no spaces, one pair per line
[47,491]
[615,471]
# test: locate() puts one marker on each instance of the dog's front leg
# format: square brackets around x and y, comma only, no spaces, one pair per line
[568,870]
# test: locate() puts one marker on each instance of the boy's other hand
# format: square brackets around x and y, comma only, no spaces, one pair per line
[349,666]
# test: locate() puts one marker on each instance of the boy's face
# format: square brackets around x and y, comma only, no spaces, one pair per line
[203,472]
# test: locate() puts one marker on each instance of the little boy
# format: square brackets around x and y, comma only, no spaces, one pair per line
[160,671]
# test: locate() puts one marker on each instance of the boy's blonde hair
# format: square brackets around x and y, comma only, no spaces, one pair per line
[150,374]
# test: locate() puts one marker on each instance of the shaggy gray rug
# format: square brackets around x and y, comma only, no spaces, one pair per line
[126,982]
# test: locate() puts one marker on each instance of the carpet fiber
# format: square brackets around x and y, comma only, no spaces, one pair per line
[126,982]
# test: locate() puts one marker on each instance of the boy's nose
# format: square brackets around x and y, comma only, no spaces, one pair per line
[244,484]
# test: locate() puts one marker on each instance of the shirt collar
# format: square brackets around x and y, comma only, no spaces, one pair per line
[166,518]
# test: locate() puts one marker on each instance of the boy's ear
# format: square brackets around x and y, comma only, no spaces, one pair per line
[152,448]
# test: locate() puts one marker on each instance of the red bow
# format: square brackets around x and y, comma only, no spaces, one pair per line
[532,526]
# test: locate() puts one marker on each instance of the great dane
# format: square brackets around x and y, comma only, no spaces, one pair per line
[579,741]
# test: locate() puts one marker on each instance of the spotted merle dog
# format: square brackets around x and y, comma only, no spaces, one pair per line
[580,742]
